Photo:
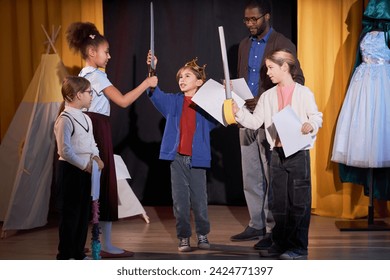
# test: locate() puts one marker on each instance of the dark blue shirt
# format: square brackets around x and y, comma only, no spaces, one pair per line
[256,54]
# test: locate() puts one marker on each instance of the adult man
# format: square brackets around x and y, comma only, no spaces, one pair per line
[255,151]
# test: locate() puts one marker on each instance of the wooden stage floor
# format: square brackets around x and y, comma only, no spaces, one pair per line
[157,240]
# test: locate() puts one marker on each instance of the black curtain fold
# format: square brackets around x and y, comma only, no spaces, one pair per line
[183,30]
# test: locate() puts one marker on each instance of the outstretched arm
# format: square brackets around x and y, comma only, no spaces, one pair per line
[127,99]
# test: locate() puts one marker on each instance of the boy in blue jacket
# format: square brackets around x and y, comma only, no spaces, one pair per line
[186,143]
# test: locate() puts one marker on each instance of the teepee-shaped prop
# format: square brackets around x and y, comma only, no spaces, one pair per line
[26,152]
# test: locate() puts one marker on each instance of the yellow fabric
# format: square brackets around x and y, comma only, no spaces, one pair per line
[22,43]
[328,33]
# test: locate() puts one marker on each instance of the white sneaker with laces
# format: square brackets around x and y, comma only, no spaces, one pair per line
[203,242]
[184,245]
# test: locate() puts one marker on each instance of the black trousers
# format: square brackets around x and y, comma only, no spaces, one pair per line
[291,205]
[74,187]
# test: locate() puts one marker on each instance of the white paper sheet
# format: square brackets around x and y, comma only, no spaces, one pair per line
[121,169]
[211,96]
[289,127]
[128,203]
[241,88]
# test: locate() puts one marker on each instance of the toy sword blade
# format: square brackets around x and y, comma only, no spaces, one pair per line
[225,63]
[152,69]
[227,104]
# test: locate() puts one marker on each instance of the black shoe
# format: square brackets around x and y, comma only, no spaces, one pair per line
[264,243]
[273,251]
[248,234]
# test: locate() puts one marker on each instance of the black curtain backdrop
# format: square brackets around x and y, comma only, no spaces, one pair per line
[184,29]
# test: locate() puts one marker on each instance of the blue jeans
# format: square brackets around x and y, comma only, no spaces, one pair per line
[255,154]
[189,191]
[291,207]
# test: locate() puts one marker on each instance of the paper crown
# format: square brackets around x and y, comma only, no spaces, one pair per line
[195,67]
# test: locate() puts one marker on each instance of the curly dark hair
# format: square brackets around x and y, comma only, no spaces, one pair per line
[81,35]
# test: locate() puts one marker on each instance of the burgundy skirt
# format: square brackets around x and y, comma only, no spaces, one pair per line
[108,200]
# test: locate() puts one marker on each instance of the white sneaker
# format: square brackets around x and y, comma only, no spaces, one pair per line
[203,242]
[184,245]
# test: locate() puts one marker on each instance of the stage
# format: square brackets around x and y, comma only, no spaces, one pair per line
[157,240]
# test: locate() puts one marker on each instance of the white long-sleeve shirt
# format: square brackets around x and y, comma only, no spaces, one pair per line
[74,135]
[303,104]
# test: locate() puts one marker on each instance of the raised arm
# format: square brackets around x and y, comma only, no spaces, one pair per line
[124,100]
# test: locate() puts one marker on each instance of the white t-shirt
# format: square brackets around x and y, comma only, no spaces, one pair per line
[99,81]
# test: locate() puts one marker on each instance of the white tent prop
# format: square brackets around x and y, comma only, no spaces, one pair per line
[27,150]
[129,204]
